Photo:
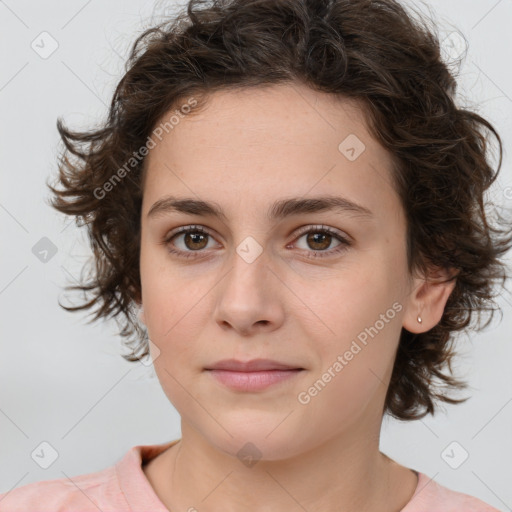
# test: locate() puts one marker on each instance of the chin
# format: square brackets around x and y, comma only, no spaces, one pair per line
[258,440]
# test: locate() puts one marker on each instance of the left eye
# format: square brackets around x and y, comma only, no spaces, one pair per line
[319,238]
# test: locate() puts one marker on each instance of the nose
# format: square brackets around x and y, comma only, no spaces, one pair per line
[249,297]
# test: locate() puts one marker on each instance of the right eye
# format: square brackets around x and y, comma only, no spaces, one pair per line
[194,238]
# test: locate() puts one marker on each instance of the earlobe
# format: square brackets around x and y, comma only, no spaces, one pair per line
[427,302]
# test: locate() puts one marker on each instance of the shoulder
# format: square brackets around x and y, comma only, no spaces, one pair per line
[122,486]
[431,495]
[83,492]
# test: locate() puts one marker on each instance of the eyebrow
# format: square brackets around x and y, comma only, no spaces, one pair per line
[279,210]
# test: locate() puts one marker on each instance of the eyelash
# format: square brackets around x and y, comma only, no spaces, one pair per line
[345,243]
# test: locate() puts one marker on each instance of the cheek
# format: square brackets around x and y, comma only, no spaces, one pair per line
[355,363]
[360,319]
[176,313]
[166,295]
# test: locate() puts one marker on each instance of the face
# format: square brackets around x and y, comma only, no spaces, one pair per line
[320,289]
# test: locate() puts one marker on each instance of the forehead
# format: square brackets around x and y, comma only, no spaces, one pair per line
[256,145]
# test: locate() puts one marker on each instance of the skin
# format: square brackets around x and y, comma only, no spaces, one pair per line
[245,150]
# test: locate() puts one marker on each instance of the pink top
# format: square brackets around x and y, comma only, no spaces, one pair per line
[124,487]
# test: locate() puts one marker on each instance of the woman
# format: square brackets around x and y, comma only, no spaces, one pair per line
[288,200]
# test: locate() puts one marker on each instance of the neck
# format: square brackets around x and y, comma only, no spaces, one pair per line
[346,473]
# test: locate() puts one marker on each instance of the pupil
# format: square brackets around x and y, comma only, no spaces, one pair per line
[194,236]
[315,236]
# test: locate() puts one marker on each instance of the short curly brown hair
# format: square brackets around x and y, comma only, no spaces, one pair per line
[373,51]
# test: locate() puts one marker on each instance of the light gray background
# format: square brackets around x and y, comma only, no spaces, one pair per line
[62,380]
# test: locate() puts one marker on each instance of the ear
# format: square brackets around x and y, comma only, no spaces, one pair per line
[428,299]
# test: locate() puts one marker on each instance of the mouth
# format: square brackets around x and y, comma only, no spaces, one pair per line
[254,365]
[253,381]
[254,375]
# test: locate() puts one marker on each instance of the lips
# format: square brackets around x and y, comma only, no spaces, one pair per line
[254,365]
[252,376]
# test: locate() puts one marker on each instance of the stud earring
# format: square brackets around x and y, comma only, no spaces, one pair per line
[419,319]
